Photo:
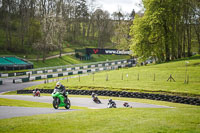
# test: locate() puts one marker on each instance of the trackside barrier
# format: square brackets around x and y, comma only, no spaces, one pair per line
[161,97]
[73,67]
[93,69]
[1,82]
[17,80]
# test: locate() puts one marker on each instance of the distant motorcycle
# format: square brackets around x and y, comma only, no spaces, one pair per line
[96,99]
[126,105]
[36,93]
[111,104]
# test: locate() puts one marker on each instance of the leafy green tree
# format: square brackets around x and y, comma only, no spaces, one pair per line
[165,29]
[120,36]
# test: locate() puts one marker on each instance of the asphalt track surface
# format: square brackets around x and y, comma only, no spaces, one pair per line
[9,112]
[8,84]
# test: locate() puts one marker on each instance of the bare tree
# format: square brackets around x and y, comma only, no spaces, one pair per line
[92,7]
[103,24]
[47,20]
[59,28]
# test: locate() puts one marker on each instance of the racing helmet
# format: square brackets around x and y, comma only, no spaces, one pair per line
[58,84]
[110,100]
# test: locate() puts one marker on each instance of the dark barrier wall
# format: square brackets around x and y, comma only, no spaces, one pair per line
[106,51]
[168,98]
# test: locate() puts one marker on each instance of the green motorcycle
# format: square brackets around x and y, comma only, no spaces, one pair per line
[59,100]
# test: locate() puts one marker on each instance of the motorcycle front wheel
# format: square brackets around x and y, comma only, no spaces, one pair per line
[68,104]
[55,103]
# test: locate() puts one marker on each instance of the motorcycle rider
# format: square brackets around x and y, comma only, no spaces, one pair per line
[36,92]
[111,102]
[127,105]
[61,89]
[95,98]
[93,95]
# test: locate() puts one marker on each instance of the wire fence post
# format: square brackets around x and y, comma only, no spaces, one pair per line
[188,79]
[106,77]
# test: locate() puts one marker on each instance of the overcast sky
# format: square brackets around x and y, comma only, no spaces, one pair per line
[125,5]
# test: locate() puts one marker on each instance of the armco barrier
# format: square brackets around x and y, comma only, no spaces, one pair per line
[77,67]
[25,79]
[161,97]
[115,65]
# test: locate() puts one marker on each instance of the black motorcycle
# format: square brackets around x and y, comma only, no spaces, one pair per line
[126,105]
[112,105]
[96,99]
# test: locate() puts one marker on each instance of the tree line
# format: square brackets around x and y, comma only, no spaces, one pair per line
[42,26]
[168,30]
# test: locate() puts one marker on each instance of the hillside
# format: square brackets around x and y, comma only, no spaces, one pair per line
[142,79]
[70,59]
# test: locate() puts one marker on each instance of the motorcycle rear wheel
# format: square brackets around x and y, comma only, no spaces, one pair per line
[99,101]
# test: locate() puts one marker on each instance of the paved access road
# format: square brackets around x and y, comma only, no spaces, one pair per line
[8,112]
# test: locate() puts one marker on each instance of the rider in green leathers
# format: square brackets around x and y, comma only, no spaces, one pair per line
[61,89]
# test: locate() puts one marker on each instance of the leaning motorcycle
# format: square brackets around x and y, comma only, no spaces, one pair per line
[96,99]
[112,105]
[36,93]
[59,100]
[126,105]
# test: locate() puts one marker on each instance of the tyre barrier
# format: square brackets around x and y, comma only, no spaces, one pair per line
[160,97]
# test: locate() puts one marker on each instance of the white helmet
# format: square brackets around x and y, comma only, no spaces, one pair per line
[58,84]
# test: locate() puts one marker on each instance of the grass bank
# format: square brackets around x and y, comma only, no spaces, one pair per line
[71,59]
[151,78]
[21,103]
[120,120]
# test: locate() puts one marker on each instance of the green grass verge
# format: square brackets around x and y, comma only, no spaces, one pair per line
[22,103]
[71,59]
[142,79]
[182,118]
